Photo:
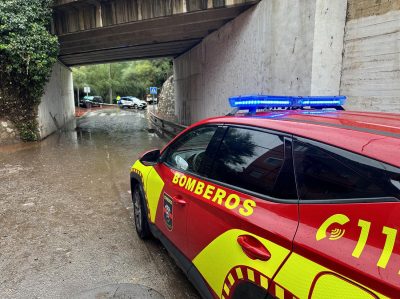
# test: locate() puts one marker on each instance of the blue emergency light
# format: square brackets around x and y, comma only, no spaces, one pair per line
[254,102]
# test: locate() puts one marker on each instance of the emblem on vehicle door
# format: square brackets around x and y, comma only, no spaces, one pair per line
[168,211]
[337,232]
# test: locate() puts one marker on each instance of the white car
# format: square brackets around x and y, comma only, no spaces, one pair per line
[132,102]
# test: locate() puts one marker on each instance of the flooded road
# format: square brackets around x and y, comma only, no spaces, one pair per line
[66,223]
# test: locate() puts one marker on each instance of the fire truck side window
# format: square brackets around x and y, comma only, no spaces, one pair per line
[254,160]
[325,172]
[188,153]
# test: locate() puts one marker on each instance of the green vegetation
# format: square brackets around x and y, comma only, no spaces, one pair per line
[27,54]
[122,79]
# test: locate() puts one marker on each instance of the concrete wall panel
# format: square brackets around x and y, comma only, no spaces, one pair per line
[57,107]
[371,64]
[265,50]
[277,47]
[366,8]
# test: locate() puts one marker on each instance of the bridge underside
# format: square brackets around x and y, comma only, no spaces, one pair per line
[107,31]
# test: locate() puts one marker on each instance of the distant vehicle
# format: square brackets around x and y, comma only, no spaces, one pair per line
[150,100]
[131,102]
[91,101]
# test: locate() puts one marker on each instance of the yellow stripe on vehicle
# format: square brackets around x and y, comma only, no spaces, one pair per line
[153,186]
[307,279]
[214,264]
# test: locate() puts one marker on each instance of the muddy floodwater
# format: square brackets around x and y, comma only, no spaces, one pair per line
[66,225]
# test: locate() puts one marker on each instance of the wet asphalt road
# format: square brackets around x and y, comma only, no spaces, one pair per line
[66,225]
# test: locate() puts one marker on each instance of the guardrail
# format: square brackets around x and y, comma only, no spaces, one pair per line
[98,104]
[103,104]
[166,126]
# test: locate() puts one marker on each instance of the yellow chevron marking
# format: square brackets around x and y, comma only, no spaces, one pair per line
[226,289]
[239,273]
[264,282]
[250,274]
[231,280]
[279,292]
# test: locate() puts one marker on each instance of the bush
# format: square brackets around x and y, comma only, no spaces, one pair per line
[27,54]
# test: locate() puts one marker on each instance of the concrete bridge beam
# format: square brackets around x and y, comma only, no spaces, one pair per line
[77,15]
[93,31]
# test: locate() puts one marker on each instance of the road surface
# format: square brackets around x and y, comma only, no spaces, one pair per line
[66,225]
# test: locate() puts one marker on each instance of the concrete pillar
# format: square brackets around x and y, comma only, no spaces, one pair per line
[330,20]
[280,47]
[57,107]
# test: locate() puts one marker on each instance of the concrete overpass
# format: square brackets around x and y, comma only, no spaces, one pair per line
[99,31]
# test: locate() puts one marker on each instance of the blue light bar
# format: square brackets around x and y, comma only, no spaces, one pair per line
[254,102]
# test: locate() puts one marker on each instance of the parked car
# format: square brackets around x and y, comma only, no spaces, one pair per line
[302,201]
[91,101]
[131,103]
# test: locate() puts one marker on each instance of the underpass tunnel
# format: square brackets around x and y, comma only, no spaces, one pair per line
[98,32]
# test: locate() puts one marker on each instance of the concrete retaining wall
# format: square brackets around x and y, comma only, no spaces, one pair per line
[57,106]
[371,64]
[278,47]
[166,104]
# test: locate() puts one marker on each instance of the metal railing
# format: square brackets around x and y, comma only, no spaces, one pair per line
[102,104]
[165,126]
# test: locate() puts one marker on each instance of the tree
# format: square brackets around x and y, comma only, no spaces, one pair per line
[27,54]
[80,80]
[127,78]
